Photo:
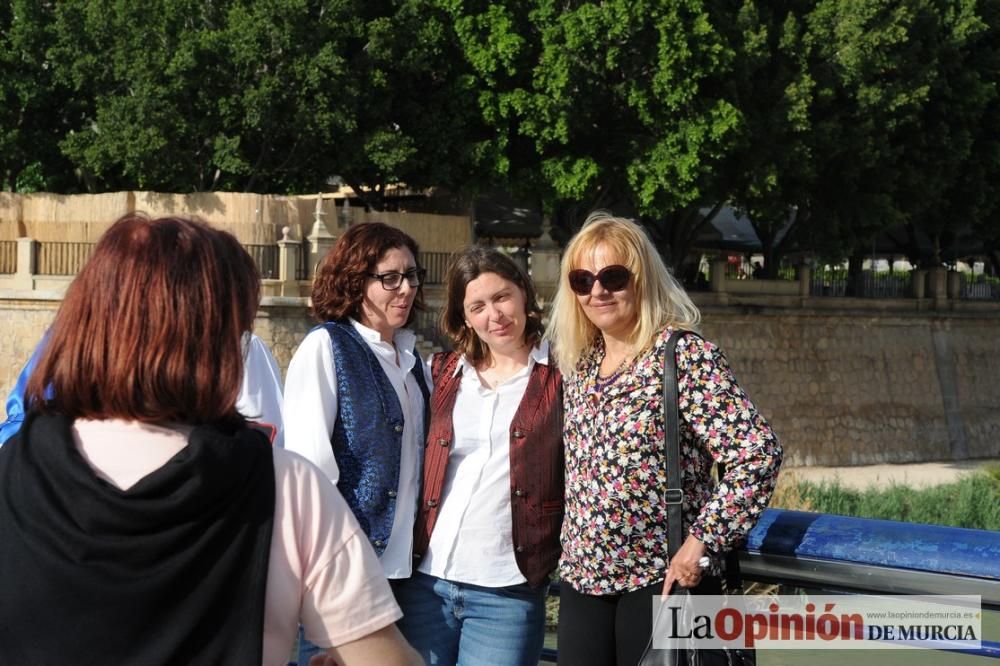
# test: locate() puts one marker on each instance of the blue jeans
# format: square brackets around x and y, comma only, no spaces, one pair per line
[306,649]
[468,625]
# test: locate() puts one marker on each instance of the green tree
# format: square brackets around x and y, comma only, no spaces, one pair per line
[773,87]
[271,96]
[948,168]
[611,104]
[34,109]
[873,63]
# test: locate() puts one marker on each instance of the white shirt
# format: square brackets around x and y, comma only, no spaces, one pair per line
[472,540]
[260,395]
[321,569]
[310,412]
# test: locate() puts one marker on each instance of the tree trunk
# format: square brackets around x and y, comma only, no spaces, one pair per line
[682,232]
[373,199]
[994,262]
[770,251]
[855,276]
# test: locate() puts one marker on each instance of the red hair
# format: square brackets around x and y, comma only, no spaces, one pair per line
[152,328]
[339,284]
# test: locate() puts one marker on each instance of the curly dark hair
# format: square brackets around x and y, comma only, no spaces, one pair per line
[339,285]
[465,267]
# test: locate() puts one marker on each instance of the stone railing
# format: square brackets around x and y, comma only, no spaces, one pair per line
[929,289]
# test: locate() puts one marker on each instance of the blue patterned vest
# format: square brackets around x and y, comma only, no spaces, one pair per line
[367,436]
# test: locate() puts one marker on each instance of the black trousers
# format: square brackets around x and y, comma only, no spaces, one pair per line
[612,630]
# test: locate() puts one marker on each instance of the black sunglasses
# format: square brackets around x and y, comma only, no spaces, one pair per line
[612,278]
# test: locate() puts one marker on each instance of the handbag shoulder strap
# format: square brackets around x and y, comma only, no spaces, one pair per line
[674,495]
[672,448]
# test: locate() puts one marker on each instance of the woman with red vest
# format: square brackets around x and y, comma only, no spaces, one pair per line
[487,531]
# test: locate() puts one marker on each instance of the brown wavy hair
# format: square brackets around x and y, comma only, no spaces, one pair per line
[339,285]
[465,267]
[152,328]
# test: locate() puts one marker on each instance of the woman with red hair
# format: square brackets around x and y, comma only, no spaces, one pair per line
[141,519]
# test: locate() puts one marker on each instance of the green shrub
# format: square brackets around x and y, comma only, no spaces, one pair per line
[973,501]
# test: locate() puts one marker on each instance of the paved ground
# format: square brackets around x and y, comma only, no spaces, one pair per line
[914,475]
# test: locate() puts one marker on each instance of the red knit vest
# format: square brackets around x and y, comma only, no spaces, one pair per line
[536,466]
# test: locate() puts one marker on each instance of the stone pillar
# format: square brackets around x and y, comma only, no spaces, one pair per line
[937,286]
[954,284]
[717,277]
[805,280]
[545,256]
[320,238]
[919,282]
[288,263]
[345,217]
[24,277]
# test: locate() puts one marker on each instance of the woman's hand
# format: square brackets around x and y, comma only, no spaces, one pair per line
[685,567]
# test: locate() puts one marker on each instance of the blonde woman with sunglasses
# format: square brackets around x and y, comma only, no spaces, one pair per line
[616,308]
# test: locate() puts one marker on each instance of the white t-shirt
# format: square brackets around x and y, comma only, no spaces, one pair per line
[260,394]
[322,571]
[310,412]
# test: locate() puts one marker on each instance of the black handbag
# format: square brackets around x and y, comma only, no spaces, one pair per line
[674,497]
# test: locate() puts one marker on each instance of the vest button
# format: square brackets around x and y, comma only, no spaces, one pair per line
[520,549]
[519,492]
[518,434]
[432,503]
[417,556]
[379,543]
[443,442]
[398,427]
[391,493]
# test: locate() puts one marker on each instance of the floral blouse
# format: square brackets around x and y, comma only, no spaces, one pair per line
[614,535]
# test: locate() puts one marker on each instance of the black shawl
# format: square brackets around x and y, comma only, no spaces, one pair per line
[171,571]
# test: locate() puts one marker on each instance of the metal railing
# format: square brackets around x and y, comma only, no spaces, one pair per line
[979,287]
[873,284]
[426,325]
[8,257]
[266,258]
[436,264]
[828,282]
[60,258]
[841,554]
[886,284]
[747,272]
[304,270]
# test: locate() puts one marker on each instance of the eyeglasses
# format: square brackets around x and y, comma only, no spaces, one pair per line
[612,278]
[392,280]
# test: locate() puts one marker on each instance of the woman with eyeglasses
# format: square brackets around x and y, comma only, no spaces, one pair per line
[356,391]
[616,307]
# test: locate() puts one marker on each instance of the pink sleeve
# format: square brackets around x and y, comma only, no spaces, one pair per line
[345,595]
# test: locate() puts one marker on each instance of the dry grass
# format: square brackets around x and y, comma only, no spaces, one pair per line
[789,494]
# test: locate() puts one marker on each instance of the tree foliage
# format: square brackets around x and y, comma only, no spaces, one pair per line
[267,96]
[34,110]
[831,123]
[615,104]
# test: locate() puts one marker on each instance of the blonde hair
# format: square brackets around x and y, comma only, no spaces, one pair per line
[660,299]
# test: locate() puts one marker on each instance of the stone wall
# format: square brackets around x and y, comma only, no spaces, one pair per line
[22,323]
[854,385]
[846,388]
